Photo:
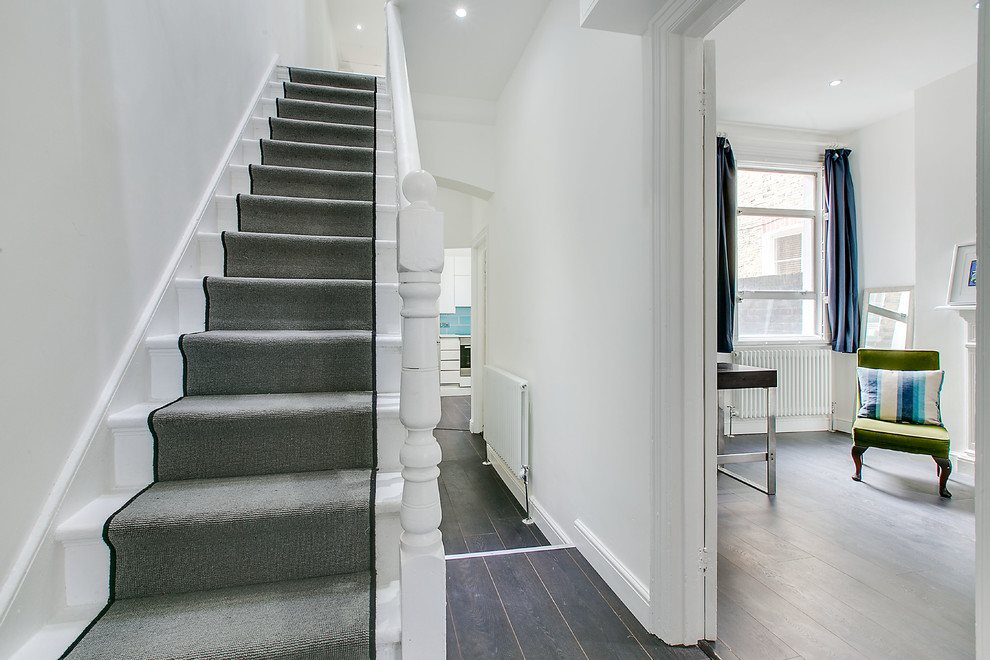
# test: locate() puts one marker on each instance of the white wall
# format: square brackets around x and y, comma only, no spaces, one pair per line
[883,167]
[568,276]
[118,114]
[915,179]
[457,140]
[458,217]
[945,185]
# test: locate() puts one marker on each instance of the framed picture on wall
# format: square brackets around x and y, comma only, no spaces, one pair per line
[962,278]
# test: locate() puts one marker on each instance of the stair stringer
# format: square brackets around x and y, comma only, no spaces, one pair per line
[65,584]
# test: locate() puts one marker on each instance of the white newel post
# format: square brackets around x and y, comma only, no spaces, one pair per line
[423,573]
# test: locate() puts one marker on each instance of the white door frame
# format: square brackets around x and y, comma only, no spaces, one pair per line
[983,336]
[479,328]
[682,599]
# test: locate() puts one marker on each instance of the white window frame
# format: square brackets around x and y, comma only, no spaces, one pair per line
[817,243]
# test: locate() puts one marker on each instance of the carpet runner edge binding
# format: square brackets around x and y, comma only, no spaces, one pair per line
[256,538]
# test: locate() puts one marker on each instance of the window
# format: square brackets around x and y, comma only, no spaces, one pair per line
[778,256]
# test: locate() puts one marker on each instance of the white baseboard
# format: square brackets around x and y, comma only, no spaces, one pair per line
[630,589]
[548,525]
[965,463]
[842,425]
[512,482]
[784,425]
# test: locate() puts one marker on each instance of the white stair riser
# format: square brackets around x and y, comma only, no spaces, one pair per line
[391,433]
[386,268]
[387,531]
[385,218]
[166,370]
[87,571]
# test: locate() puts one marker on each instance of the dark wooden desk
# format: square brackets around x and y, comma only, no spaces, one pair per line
[737,377]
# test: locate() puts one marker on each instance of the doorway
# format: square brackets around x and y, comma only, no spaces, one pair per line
[853,573]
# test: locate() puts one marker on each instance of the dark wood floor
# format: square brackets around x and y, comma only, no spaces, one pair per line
[542,604]
[831,568]
[455,413]
[479,512]
[534,604]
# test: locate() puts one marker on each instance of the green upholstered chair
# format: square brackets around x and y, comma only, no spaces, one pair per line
[900,436]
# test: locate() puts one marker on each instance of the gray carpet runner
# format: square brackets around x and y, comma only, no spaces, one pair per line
[256,538]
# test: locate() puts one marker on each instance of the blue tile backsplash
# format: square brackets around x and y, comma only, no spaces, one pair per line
[458,323]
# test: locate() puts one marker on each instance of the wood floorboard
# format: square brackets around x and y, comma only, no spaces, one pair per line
[795,628]
[540,627]
[597,627]
[453,650]
[655,649]
[746,637]
[514,533]
[479,512]
[836,568]
[479,619]
[831,608]
[554,607]
[455,413]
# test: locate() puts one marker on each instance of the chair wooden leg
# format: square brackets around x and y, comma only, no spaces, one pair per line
[944,469]
[857,454]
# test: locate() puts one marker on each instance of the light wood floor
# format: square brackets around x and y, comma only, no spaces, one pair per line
[831,568]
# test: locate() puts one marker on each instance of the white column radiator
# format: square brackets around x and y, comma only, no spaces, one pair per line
[507,418]
[804,386]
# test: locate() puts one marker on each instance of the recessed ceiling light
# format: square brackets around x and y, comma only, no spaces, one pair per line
[460,12]
[976,6]
[359,27]
[835,83]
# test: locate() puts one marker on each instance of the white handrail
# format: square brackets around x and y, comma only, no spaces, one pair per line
[406,142]
[419,249]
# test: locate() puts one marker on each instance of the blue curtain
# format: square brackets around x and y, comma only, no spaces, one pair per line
[726,182]
[841,258]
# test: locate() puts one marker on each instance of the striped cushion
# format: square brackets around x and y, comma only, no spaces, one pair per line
[900,396]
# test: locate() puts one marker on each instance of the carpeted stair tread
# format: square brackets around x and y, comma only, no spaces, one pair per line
[198,534]
[325,94]
[333,78]
[318,132]
[331,113]
[252,303]
[314,184]
[262,362]
[199,437]
[317,156]
[294,256]
[323,617]
[314,217]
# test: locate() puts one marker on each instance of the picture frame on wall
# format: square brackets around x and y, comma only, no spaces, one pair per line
[962,278]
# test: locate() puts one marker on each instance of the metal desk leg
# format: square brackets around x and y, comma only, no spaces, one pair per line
[771,440]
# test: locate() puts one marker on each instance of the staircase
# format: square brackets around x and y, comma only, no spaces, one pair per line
[275,470]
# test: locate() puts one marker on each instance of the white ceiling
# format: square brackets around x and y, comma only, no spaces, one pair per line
[471,57]
[774,58]
[361,51]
